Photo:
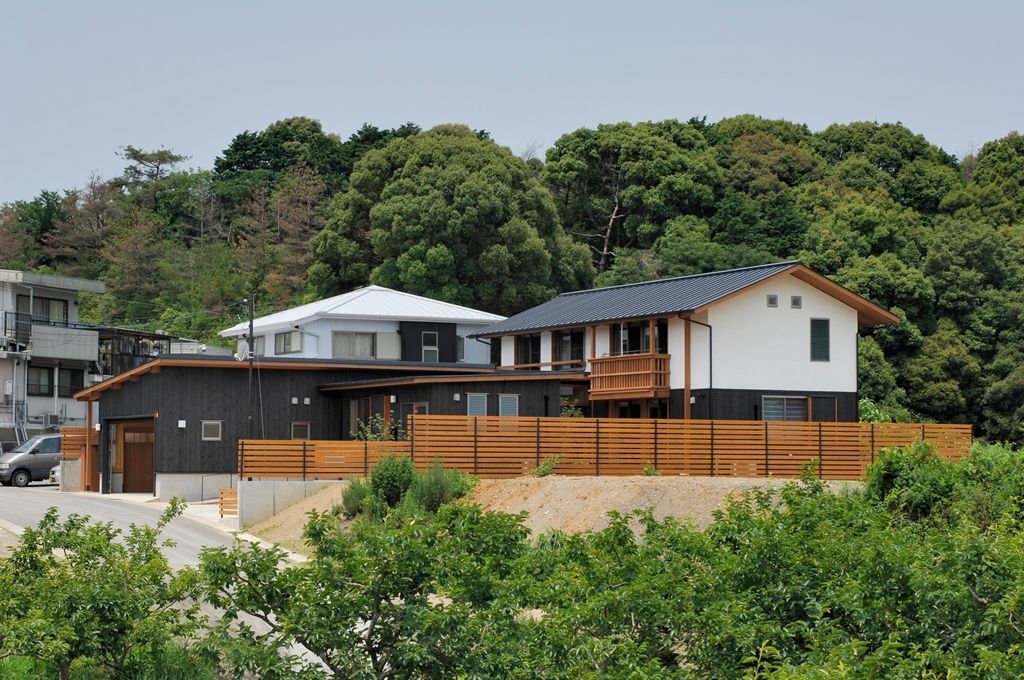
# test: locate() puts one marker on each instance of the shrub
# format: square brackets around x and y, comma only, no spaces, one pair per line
[547,467]
[376,429]
[436,486]
[651,471]
[392,478]
[913,480]
[353,497]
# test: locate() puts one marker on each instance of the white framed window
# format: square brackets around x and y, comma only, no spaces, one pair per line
[508,404]
[210,430]
[476,404]
[796,301]
[300,429]
[783,408]
[460,348]
[349,345]
[773,300]
[289,342]
[820,342]
[431,353]
[259,345]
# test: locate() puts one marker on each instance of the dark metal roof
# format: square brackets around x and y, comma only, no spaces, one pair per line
[575,375]
[635,300]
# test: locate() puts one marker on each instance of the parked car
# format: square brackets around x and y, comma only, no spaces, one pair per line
[30,462]
[55,474]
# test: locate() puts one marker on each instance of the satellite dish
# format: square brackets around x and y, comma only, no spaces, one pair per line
[243,350]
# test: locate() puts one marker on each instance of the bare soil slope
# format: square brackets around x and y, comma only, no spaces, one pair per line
[576,504]
[285,528]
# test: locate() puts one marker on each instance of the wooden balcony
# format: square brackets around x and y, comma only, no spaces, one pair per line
[630,376]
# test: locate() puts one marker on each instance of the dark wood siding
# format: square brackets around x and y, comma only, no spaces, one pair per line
[746,404]
[536,397]
[412,340]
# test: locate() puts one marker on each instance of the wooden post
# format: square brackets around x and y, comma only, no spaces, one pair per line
[538,442]
[593,342]
[655,443]
[86,466]
[304,452]
[241,458]
[686,362]
[922,431]
[872,442]
[597,447]
[821,454]
[412,437]
[476,453]
[366,458]
[766,448]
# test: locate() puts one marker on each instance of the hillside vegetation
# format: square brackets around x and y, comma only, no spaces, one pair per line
[293,213]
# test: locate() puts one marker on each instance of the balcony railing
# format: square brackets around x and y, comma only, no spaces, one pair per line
[641,376]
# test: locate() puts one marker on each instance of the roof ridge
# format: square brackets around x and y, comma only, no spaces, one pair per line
[351,295]
[442,302]
[679,278]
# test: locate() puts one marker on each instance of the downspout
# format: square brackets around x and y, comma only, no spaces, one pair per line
[711,364]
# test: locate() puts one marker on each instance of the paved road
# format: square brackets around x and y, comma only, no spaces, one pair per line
[26,506]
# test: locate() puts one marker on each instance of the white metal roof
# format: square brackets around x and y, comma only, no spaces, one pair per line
[370,302]
[52,281]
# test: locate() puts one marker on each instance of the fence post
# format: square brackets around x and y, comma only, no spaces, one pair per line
[412,437]
[597,447]
[872,442]
[366,458]
[766,448]
[712,448]
[922,431]
[476,453]
[821,454]
[655,443]
[538,442]
[303,460]
[241,458]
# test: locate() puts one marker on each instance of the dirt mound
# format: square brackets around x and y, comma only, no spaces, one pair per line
[285,528]
[576,504]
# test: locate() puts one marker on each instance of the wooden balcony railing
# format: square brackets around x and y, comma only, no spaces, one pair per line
[631,375]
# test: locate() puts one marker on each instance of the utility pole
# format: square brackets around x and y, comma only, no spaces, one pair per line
[251,352]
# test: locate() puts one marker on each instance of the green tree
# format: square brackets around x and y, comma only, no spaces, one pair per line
[451,216]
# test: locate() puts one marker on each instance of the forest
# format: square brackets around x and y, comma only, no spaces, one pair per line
[293,213]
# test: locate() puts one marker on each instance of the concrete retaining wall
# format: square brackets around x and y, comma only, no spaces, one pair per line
[71,475]
[191,487]
[258,500]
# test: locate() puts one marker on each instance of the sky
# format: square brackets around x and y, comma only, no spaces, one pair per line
[78,79]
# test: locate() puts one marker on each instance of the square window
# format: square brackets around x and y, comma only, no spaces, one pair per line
[476,404]
[773,300]
[210,430]
[784,408]
[508,405]
[796,301]
[431,353]
[288,343]
[348,345]
[300,430]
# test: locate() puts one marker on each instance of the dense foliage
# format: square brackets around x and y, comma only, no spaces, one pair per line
[293,212]
[919,574]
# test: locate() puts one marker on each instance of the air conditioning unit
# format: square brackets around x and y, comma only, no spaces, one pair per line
[51,420]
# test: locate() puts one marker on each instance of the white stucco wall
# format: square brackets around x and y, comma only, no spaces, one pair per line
[508,350]
[545,350]
[758,347]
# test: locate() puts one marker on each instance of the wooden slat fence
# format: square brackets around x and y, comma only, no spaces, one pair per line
[495,447]
[72,442]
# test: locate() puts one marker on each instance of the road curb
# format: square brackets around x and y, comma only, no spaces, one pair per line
[11,527]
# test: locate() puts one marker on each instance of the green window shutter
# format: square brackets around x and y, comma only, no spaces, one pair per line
[820,340]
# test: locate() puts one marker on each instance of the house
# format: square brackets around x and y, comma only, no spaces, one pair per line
[772,342]
[170,426]
[372,323]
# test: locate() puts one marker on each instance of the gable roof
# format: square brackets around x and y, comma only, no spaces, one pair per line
[369,302]
[666,297]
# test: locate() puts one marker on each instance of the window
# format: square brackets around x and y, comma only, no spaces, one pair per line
[259,346]
[430,351]
[796,301]
[460,348]
[40,381]
[210,430]
[288,343]
[569,346]
[48,310]
[71,380]
[354,345]
[635,337]
[819,340]
[476,404]
[527,349]
[508,404]
[49,445]
[784,408]
[773,300]
[300,430]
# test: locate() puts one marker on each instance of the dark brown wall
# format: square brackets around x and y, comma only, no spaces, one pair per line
[412,340]
[746,404]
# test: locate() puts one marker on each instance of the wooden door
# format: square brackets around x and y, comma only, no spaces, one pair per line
[138,457]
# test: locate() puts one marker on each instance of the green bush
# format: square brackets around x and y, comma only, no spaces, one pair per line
[436,486]
[353,497]
[547,467]
[651,471]
[912,480]
[391,478]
